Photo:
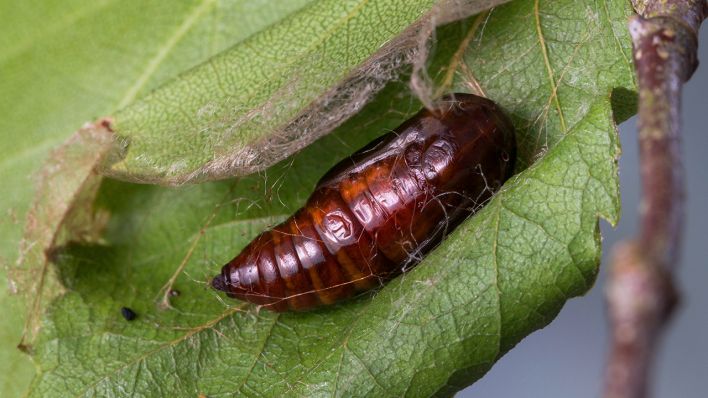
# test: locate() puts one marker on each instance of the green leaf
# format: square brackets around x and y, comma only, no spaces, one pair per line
[65,63]
[272,93]
[503,274]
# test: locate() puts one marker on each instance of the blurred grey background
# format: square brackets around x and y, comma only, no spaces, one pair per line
[567,358]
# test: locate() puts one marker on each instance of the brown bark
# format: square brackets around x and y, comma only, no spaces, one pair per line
[641,295]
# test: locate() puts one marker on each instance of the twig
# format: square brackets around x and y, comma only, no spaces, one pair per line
[641,295]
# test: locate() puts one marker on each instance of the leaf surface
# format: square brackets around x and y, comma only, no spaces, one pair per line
[65,63]
[274,92]
[503,274]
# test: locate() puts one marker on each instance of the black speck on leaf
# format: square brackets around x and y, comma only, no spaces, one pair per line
[128,314]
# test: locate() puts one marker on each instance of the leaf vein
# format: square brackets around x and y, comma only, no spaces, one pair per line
[547,63]
[267,336]
[171,343]
[164,51]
